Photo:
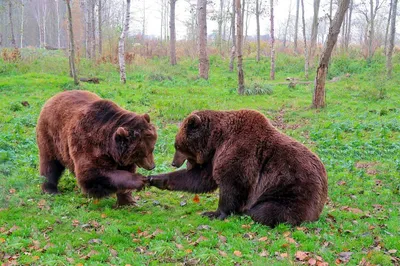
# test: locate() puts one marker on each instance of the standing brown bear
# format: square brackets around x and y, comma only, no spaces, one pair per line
[259,170]
[98,141]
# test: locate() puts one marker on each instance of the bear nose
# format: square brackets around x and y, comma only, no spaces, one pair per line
[173,164]
[152,167]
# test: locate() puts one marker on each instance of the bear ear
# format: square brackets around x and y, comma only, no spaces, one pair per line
[122,132]
[147,117]
[194,121]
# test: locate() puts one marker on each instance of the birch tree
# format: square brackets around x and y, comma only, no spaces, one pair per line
[258,13]
[322,70]
[389,65]
[296,25]
[10,9]
[305,41]
[172,33]
[233,32]
[71,44]
[121,43]
[272,71]
[314,33]
[202,21]
[239,44]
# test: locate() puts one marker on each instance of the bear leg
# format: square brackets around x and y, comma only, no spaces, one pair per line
[274,213]
[52,171]
[125,198]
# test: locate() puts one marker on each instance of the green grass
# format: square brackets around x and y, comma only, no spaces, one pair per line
[357,137]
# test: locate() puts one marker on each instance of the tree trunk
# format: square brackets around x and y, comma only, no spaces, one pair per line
[272,71]
[14,44]
[389,65]
[93,6]
[71,44]
[202,21]
[314,34]
[239,43]
[296,26]
[100,29]
[58,26]
[22,23]
[322,70]
[305,41]
[371,30]
[387,27]
[233,32]
[44,23]
[287,26]
[220,21]
[348,33]
[121,43]
[258,29]
[247,19]
[172,33]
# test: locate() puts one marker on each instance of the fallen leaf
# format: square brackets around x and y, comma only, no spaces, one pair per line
[263,239]
[12,191]
[183,203]
[290,240]
[284,255]
[249,235]
[179,246]
[113,252]
[286,234]
[203,227]
[392,251]
[2,240]
[345,256]
[70,260]
[75,223]
[35,258]
[103,215]
[95,241]
[237,253]
[246,226]
[12,229]
[341,183]
[301,255]
[353,210]
[312,261]
[222,238]
[188,251]
[196,199]
[96,201]
[222,253]
[264,253]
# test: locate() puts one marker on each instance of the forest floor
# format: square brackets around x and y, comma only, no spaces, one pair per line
[357,136]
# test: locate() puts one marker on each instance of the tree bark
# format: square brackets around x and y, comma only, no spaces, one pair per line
[322,70]
[296,26]
[258,29]
[239,43]
[314,34]
[58,26]
[10,8]
[121,43]
[305,41]
[100,17]
[371,30]
[71,44]
[287,25]
[202,21]
[220,21]
[272,71]
[22,23]
[387,28]
[348,33]
[233,32]
[93,33]
[389,65]
[172,33]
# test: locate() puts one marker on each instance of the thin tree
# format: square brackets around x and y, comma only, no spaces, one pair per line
[204,64]
[287,24]
[22,23]
[239,43]
[10,8]
[93,28]
[272,71]
[258,12]
[322,70]
[389,65]
[387,28]
[220,22]
[314,33]
[71,44]
[348,31]
[172,40]
[296,25]
[305,41]
[233,32]
[100,22]
[58,25]
[121,43]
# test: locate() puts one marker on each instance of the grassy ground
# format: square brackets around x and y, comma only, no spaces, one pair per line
[357,137]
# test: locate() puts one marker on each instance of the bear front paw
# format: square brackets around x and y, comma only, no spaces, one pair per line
[215,215]
[158,182]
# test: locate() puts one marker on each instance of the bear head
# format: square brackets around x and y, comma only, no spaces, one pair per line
[133,143]
[193,141]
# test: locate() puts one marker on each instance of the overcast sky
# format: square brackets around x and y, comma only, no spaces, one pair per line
[182,14]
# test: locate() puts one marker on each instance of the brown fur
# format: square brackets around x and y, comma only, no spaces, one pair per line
[98,141]
[259,170]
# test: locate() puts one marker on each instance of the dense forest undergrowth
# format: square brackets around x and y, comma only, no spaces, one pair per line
[357,136]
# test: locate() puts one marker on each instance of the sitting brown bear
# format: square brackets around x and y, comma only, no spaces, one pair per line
[98,141]
[259,170]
